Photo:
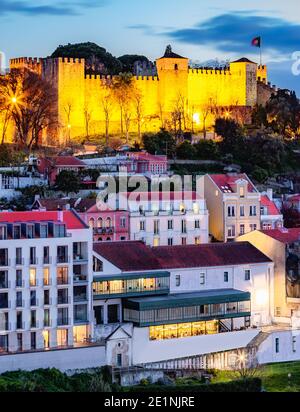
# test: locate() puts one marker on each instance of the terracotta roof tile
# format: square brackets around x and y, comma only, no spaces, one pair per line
[136,256]
[284,235]
[270,205]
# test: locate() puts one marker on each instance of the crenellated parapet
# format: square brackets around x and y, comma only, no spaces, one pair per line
[30,63]
[210,71]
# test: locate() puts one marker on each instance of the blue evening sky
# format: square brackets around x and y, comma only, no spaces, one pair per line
[198,29]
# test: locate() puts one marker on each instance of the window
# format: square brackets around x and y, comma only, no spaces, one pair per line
[19,302]
[176,66]
[123,222]
[242,229]
[19,278]
[92,223]
[108,223]
[33,300]
[19,342]
[178,280]
[156,227]
[33,323]
[30,231]
[3,279]
[183,241]
[62,316]
[99,223]
[97,265]
[142,226]
[3,232]
[33,340]
[3,257]
[253,228]
[197,224]
[19,256]
[62,254]
[170,225]
[197,240]
[202,279]
[231,211]
[242,191]
[47,297]
[170,241]
[253,211]
[62,296]
[277,345]
[242,211]
[43,231]
[156,242]
[46,255]
[231,231]
[247,275]
[32,256]
[226,277]
[17,232]
[32,277]
[183,226]
[62,275]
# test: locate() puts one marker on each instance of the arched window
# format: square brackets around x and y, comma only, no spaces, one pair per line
[92,223]
[108,223]
[100,239]
[108,239]
[100,223]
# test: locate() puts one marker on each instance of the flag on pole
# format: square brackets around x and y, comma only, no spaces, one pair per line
[256,42]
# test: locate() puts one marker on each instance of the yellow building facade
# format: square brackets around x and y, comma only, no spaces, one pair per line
[195,93]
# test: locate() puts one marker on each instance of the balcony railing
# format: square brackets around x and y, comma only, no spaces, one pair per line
[80,278]
[63,280]
[63,321]
[62,259]
[80,297]
[104,230]
[4,262]
[19,261]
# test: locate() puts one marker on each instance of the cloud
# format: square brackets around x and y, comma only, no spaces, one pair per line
[60,8]
[231,32]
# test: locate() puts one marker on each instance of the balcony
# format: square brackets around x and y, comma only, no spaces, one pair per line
[62,259]
[63,321]
[4,262]
[64,280]
[79,260]
[104,231]
[77,279]
[19,261]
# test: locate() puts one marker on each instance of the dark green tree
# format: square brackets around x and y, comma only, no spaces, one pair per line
[161,143]
[185,150]
[67,182]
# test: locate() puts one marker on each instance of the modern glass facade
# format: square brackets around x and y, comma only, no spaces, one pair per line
[183,308]
[134,285]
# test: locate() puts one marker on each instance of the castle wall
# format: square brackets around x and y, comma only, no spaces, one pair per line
[198,92]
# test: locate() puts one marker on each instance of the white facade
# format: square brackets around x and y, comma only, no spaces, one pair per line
[45,288]
[168,222]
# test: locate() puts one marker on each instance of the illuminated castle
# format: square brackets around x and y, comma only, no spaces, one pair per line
[199,94]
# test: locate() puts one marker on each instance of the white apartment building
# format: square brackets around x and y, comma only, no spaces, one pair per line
[45,281]
[166,218]
[170,303]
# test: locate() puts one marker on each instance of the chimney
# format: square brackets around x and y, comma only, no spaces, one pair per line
[270,194]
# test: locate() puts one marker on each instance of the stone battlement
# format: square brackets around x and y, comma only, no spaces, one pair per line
[210,70]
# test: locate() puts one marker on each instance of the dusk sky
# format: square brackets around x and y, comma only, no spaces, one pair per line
[198,29]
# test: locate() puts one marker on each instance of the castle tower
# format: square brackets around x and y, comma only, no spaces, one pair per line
[67,76]
[262,74]
[244,80]
[172,71]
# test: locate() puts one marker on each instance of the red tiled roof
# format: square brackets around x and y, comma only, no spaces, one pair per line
[295,198]
[270,205]
[71,220]
[136,256]
[68,161]
[284,235]
[226,180]
[54,204]
[148,156]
